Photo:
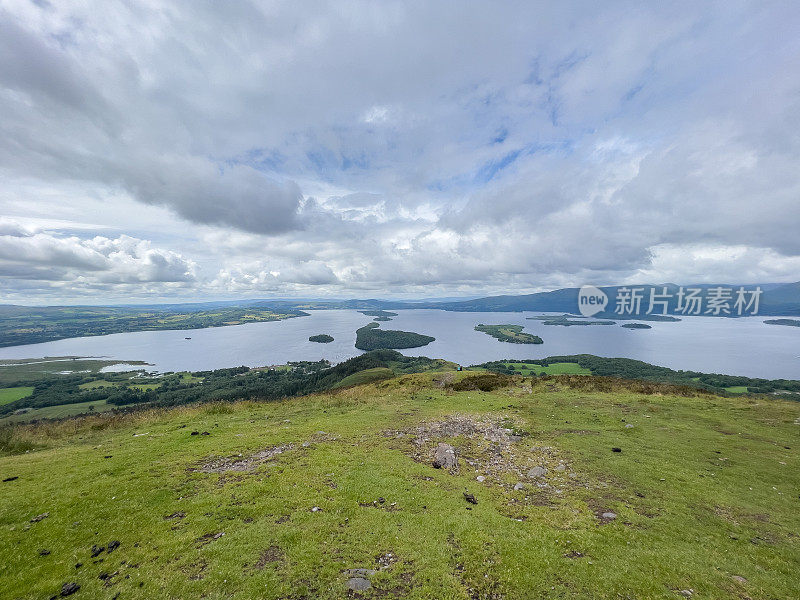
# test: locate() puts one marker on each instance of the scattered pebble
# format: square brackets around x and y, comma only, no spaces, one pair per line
[40,517]
[316,509]
[113,545]
[609,515]
[480,478]
[519,486]
[615,449]
[470,498]
[44,552]
[195,433]
[561,467]
[739,579]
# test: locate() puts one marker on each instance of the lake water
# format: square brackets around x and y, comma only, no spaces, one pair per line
[744,346]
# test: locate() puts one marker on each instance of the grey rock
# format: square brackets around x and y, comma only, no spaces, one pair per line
[561,467]
[519,486]
[537,472]
[445,457]
[739,579]
[358,584]
[609,515]
[480,478]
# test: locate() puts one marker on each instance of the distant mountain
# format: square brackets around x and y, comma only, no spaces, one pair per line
[775,300]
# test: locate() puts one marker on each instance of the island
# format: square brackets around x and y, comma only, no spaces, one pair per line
[322,338]
[568,320]
[509,333]
[636,326]
[787,322]
[380,315]
[370,337]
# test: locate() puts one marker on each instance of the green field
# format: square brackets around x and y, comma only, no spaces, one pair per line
[737,389]
[59,411]
[704,494]
[552,369]
[11,394]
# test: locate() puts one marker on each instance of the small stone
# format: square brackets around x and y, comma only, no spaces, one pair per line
[40,517]
[195,433]
[537,472]
[96,550]
[44,552]
[78,565]
[687,593]
[561,467]
[113,545]
[205,433]
[316,509]
[739,579]
[616,449]
[480,478]
[358,584]
[69,588]
[519,486]
[470,498]
[609,515]
[381,500]
[629,426]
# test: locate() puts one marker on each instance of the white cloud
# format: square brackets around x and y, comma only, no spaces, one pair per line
[393,147]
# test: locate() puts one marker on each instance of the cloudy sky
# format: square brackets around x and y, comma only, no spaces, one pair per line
[214,150]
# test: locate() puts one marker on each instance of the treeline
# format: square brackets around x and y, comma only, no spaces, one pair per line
[627,368]
[238,383]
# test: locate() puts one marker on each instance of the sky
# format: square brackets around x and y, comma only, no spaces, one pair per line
[197,150]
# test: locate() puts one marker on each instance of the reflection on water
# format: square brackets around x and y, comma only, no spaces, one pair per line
[715,345]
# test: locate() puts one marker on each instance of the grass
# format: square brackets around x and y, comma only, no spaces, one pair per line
[11,394]
[98,383]
[365,376]
[145,386]
[705,489]
[561,368]
[59,411]
[737,389]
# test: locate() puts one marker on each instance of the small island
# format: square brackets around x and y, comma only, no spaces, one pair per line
[787,322]
[509,333]
[636,326]
[380,315]
[322,338]
[370,337]
[568,320]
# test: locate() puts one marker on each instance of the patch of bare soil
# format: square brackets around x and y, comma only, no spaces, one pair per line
[239,464]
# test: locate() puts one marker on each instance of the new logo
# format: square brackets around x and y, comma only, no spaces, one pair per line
[591,300]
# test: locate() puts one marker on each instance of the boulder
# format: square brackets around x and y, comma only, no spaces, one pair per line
[445,457]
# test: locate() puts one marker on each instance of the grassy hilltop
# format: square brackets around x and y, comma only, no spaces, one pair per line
[290,499]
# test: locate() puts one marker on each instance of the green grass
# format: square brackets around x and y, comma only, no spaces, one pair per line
[562,368]
[98,383]
[145,386]
[365,376]
[59,411]
[512,334]
[737,389]
[12,394]
[705,489]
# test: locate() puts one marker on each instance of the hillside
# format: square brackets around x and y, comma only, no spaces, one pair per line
[305,497]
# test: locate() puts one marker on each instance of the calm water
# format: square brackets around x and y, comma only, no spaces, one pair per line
[743,346]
